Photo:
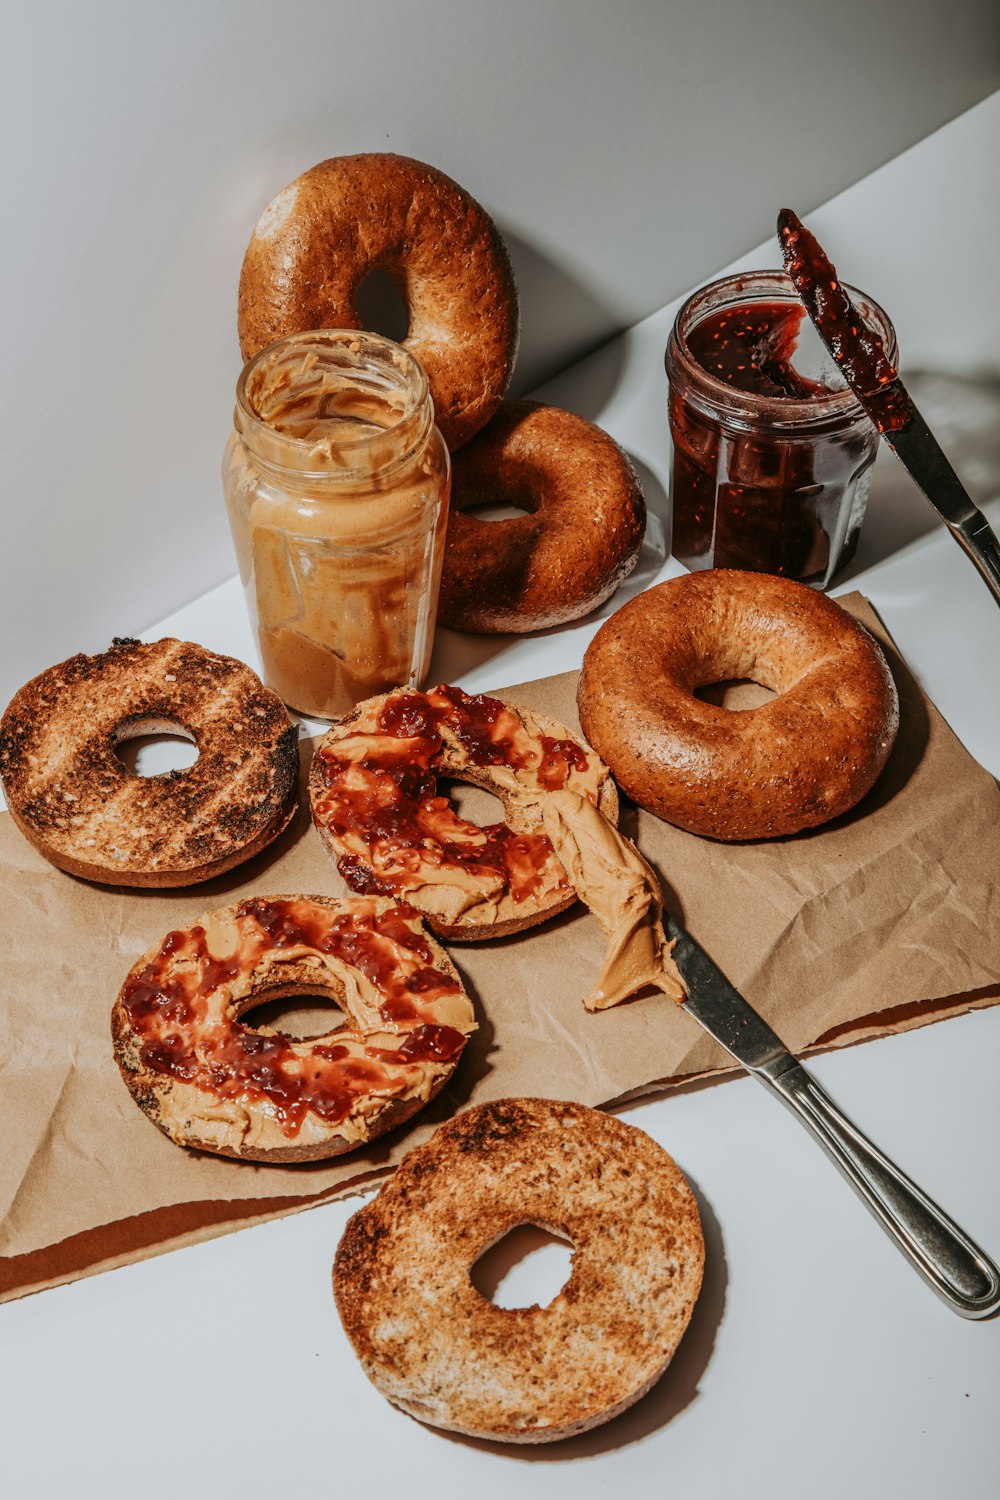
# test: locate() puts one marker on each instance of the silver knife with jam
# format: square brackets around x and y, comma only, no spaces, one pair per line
[862,360]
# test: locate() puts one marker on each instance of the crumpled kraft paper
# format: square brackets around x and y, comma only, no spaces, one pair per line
[885,919]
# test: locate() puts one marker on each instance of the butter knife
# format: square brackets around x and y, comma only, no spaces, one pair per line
[958,1270]
[863,362]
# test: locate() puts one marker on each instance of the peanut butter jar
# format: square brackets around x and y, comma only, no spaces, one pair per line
[337,484]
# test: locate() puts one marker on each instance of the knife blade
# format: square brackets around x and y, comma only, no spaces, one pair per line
[952,1263]
[864,364]
[924,460]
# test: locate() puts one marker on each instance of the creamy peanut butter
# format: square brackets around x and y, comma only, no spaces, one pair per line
[337,487]
[212,1082]
[374,793]
[373,789]
[611,877]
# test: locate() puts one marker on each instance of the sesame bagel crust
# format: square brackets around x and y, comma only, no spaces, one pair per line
[806,756]
[579,538]
[319,239]
[78,804]
[434,1346]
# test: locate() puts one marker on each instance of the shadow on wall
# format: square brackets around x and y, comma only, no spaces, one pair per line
[963,412]
[552,302]
[561,319]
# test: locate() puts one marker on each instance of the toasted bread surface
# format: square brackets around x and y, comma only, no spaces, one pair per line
[435,1347]
[84,810]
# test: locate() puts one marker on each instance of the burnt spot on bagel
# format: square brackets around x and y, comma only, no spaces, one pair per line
[500,1120]
[93,816]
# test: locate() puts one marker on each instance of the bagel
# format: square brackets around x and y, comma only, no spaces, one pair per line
[805,756]
[579,538]
[375,801]
[434,1346]
[209,1082]
[76,802]
[319,239]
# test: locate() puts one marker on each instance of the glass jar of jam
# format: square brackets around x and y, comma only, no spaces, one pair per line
[337,483]
[772,452]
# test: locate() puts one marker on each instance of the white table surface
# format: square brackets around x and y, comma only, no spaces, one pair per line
[817,1361]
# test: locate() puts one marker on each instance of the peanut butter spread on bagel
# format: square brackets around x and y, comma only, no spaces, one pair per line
[208,1080]
[611,877]
[375,800]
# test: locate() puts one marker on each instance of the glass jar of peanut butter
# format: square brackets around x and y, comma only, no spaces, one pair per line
[337,483]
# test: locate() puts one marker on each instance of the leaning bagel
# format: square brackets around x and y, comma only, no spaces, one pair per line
[74,799]
[373,786]
[579,538]
[319,239]
[807,755]
[434,1346]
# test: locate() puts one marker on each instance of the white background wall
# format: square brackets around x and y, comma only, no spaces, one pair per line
[626,150]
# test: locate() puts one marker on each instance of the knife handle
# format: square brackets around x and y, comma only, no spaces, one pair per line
[957,1269]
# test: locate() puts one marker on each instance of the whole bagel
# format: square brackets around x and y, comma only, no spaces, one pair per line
[806,756]
[434,1346]
[579,538]
[319,239]
[76,802]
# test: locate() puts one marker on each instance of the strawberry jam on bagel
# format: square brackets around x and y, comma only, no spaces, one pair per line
[211,1082]
[375,799]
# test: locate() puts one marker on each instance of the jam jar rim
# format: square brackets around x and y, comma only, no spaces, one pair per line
[418,414]
[745,410]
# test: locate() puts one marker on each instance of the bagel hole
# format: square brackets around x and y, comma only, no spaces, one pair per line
[381,307]
[529,1266]
[736,693]
[155,747]
[298,1017]
[473,803]
[499,510]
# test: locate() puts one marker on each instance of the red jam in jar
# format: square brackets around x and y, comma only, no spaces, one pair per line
[772,453]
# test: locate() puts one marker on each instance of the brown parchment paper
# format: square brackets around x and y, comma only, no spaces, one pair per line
[885,919]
